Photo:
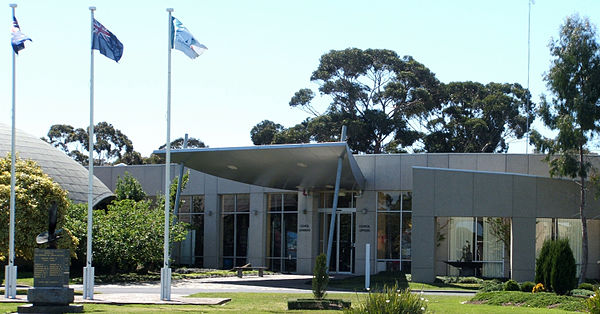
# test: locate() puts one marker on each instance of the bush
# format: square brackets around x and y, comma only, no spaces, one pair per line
[542,264]
[581,293]
[587,286]
[562,276]
[320,277]
[527,286]
[491,285]
[592,304]
[391,300]
[511,285]
[129,188]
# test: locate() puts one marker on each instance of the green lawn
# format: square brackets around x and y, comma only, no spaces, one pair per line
[277,303]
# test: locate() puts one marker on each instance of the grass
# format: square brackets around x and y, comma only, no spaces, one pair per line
[357,283]
[277,303]
[153,277]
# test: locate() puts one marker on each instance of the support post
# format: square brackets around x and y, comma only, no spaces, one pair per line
[336,193]
[10,286]
[88,270]
[180,180]
[367,266]
[165,272]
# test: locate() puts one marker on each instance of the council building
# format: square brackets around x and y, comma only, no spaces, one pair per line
[420,213]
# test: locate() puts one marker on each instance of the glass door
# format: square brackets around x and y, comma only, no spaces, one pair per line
[342,250]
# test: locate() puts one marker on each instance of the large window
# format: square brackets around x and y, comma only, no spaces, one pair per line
[394,226]
[282,219]
[474,239]
[553,228]
[235,213]
[191,250]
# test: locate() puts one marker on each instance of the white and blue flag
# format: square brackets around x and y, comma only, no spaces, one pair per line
[18,39]
[184,41]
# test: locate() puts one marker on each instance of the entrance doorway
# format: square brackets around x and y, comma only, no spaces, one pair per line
[342,250]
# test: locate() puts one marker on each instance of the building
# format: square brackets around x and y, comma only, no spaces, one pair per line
[271,205]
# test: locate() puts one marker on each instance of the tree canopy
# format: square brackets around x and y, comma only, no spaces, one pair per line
[573,110]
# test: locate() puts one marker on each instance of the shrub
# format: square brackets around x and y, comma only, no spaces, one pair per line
[586,286]
[562,276]
[320,277]
[128,188]
[592,304]
[391,300]
[538,288]
[542,264]
[527,286]
[491,285]
[581,293]
[511,285]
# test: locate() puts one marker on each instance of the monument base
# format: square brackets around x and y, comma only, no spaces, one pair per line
[31,308]
[51,296]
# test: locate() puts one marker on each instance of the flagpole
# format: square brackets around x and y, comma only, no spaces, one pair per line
[88,270]
[165,273]
[10,287]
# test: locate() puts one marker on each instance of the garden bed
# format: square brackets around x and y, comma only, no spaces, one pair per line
[527,299]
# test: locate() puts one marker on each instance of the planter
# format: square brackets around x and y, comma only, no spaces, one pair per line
[315,304]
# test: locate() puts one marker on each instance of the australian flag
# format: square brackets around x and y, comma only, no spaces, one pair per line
[106,42]
[18,39]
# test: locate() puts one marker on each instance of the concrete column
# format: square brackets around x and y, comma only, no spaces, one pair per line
[365,232]
[257,230]
[306,229]
[423,248]
[212,231]
[523,249]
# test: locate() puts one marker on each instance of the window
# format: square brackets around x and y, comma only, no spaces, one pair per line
[553,228]
[191,211]
[235,210]
[394,226]
[282,228]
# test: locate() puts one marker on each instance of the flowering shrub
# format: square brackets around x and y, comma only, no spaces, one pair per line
[391,300]
[593,303]
[538,288]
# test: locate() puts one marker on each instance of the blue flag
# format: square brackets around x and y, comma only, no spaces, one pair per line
[106,42]
[18,39]
[184,41]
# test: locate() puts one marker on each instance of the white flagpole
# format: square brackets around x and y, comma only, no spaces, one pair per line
[88,270]
[10,287]
[165,273]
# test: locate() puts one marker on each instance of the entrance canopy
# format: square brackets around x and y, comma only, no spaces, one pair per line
[289,166]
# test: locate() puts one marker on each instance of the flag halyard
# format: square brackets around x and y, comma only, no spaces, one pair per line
[184,41]
[18,38]
[106,42]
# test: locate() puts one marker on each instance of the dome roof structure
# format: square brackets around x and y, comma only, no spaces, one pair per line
[69,174]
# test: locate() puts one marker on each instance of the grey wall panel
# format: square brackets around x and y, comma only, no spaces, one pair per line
[462,161]
[210,184]
[423,252]
[491,162]
[212,232]
[524,191]
[195,184]
[257,230]
[225,186]
[523,248]
[437,160]
[517,163]
[387,172]
[366,163]
[537,166]
[406,163]
[492,196]
[453,193]
[557,198]
[423,192]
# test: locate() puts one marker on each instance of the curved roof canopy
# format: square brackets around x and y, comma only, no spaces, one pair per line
[70,175]
[289,166]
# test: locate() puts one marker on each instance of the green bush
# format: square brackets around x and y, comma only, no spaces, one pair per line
[129,188]
[587,286]
[562,276]
[592,304]
[320,277]
[491,285]
[542,264]
[511,285]
[391,300]
[527,286]
[581,293]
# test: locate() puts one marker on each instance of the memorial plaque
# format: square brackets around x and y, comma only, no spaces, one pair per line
[51,268]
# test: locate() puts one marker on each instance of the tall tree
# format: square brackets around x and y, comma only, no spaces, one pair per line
[476,118]
[178,143]
[574,110]
[374,92]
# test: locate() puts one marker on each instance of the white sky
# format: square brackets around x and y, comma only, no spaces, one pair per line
[260,53]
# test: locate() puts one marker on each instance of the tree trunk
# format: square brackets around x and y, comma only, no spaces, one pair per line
[584,242]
